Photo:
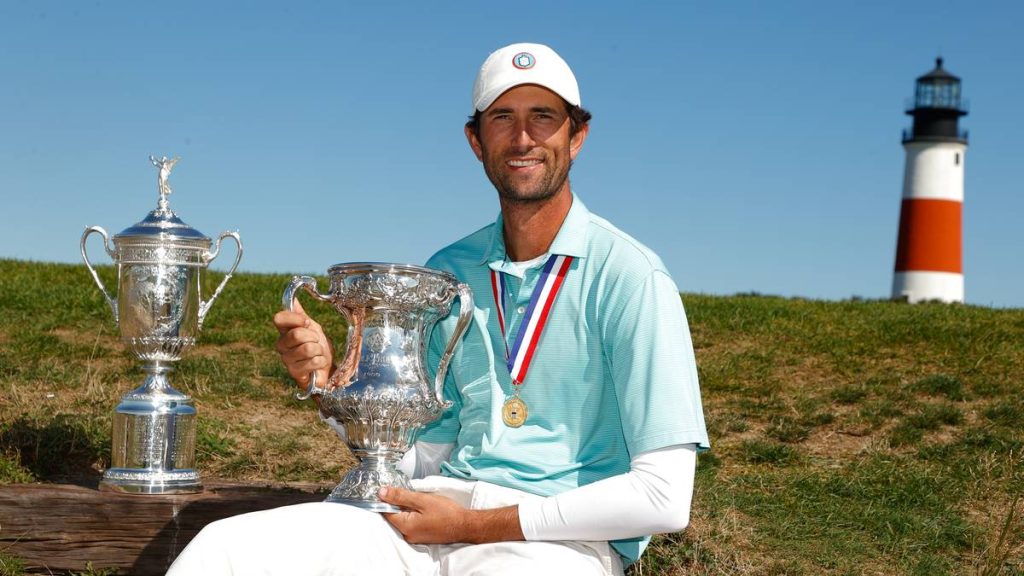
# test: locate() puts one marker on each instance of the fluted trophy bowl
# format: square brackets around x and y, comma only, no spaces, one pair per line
[159,309]
[379,392]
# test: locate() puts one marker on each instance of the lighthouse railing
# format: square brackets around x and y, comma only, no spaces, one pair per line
[908,135]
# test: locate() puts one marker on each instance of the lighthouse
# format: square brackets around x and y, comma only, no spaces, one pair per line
[929,249]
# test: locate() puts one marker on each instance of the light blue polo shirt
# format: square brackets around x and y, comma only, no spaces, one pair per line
[613,374]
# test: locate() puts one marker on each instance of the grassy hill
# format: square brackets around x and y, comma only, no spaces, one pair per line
[847,437]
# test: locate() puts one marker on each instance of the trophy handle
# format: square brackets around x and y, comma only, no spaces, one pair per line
[85,256]
[465,315]
[204,307]
[288,303]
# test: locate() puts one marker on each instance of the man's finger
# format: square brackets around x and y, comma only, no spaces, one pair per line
[300,364]
[300,372]
[285,321]
[298,337]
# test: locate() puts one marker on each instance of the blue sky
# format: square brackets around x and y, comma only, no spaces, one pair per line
[754,145]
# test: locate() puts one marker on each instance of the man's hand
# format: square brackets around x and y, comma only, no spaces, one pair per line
[434,519]
[303,346]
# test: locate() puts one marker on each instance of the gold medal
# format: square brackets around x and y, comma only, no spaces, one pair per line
[513,412]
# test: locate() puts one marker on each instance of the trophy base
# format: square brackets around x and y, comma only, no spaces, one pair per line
[154,440]
[143,481]
[377,506]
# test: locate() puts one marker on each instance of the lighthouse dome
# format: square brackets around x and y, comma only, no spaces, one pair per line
[937,89]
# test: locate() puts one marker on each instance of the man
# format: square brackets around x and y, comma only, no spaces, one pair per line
[563,449]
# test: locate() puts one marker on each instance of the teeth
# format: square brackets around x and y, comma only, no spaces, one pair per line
[523,163]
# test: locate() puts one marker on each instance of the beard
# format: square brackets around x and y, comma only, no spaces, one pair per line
[528,189]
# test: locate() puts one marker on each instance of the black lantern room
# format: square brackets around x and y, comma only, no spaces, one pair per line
[937,108]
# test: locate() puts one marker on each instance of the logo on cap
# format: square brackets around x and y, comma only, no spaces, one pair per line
[523,61]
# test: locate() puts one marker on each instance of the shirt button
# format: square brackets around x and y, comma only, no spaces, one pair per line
[521,309]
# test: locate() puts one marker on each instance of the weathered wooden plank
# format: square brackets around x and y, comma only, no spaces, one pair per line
[55,528]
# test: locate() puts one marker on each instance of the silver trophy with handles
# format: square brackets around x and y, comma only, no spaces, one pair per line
[379,392]
[159,310]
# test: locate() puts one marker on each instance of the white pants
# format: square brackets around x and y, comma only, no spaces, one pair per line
[323,538]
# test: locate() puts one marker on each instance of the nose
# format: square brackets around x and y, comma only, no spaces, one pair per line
[522,140]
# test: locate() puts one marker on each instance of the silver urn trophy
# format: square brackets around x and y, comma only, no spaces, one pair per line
[379,392]
[159,310]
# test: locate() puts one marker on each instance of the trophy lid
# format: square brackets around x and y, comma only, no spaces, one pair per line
[162,223]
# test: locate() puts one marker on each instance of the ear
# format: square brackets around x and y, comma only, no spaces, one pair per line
[474,143]
[576,142]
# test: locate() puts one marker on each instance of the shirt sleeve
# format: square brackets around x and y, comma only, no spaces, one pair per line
[334,424]
[653,497]
[653,368]
[425,458]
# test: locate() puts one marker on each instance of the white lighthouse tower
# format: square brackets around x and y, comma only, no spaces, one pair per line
[929,250]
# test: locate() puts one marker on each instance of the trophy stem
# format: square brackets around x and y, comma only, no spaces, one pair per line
[157,382]
[360,486]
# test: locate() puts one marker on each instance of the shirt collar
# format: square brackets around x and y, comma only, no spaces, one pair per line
[571,239]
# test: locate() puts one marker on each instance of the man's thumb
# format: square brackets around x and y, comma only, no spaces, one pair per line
[397,496]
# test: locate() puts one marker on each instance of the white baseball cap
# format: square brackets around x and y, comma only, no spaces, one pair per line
[523,63]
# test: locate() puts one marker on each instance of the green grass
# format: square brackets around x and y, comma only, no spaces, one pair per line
[11,565]
[848,438]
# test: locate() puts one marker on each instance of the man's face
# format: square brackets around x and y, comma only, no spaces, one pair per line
[524,144]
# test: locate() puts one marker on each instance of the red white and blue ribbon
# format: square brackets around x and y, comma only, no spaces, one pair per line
[498,291]
[536,316]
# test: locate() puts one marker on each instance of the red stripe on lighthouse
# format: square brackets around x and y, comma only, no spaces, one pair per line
[930,236]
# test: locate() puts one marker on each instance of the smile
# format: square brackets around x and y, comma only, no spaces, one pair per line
[523,163]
